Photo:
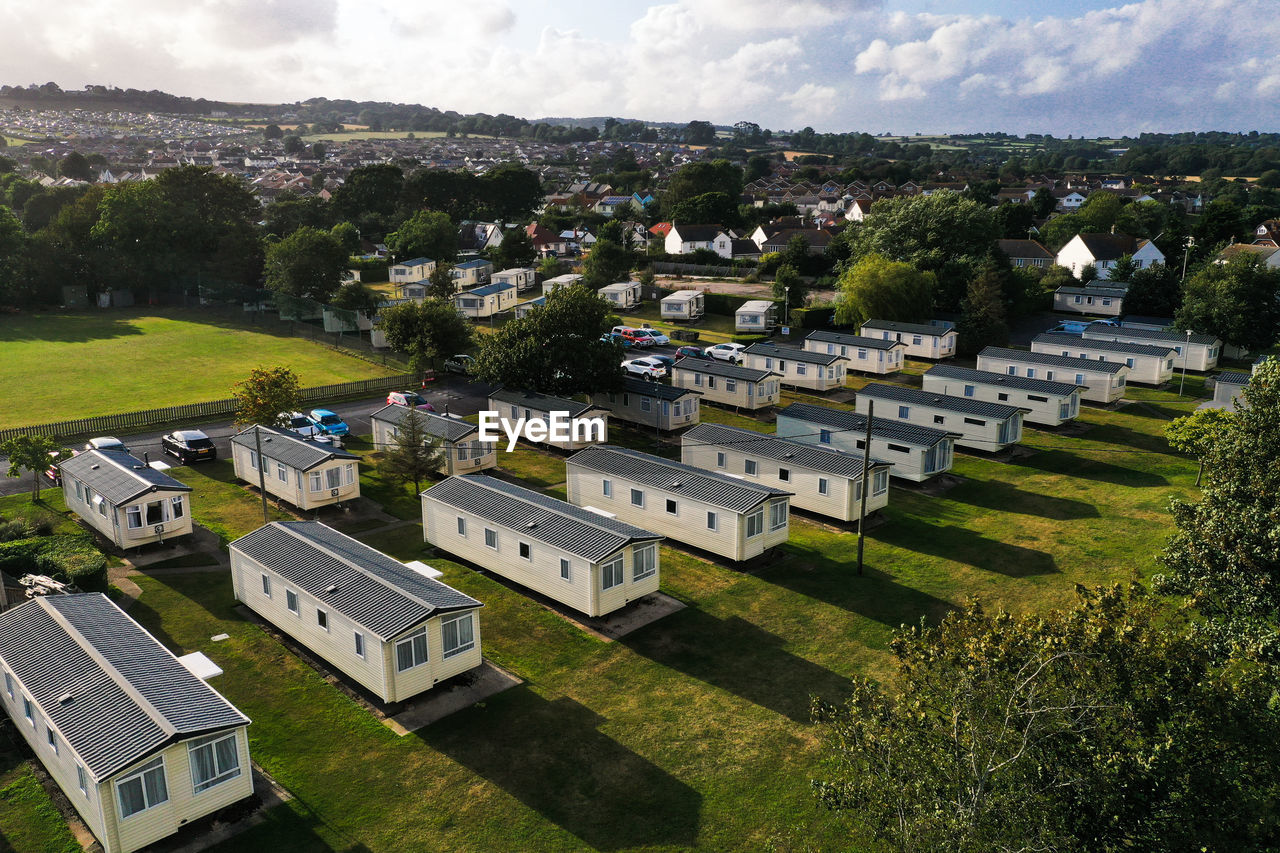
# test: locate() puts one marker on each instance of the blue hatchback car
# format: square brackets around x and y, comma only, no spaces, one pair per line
[328,422]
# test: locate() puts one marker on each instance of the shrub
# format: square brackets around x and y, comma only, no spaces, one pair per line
[72,559]
[725,303]
[749,339]
[813,318]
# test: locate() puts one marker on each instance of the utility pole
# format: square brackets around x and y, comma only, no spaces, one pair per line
[262,467]
[866,484]
[1191,241]
[1185,347]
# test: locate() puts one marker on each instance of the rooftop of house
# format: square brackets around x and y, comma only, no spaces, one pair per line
[118,476]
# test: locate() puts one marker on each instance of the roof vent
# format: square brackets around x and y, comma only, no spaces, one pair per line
[331,588]
[675,485]
[787,455]
[94,467]
[531,525]
[65,699]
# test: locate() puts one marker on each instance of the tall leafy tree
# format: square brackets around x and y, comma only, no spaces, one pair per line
[715,208]
[1154,291]
[34,453]
[606,263]
[371,192]
[788,286]
[414,454]
[426,234]
[515,250]
[880,289]
[695,179]
[265,396]
[428,330]
[1238,302]
[982,319]
[306,264]
[1198,433]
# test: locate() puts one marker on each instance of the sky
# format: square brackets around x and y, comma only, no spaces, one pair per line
[1082,67]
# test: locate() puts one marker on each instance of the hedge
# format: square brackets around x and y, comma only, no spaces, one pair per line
[72,559]
[749,339]
[372,270]
[813,318]
[726,303]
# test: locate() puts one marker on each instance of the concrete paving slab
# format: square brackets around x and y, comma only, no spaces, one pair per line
[466,690]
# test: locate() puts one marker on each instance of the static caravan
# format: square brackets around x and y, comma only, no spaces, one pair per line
[825,481]
[1150,365]
[481,303]
[756,315]
[1226,389]
[582,558]
[137,742]
[566,280]
[727,384]
[683,305]
[623,295]
[980,425]
[1201,353]
[915,452]
[919,339]
[866,354]
[1099,301]
[392,629]
[584,423]
[522,278]
[462,451]
[1103,381]
[799,368]
[414,269]
[308,474]
[523,309]
[1043,402]
[651,404]
[127,501]
[471,274]
[732,517]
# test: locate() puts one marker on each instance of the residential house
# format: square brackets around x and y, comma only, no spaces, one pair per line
[472,274]
[1101,251]
[1026,253]
[481,303]
[1150,365]
[304,472]
[515,409]
[978,424]
[756,315]
[462,451]
[651,404]
[576,556]
[1227,388]
[136,742]
[1270,255]
[727,384]
[474,237]
[916,453]
[623,295]
[817,239]
[547,243]
[824,481]
[391,629]
[522,309]
[919,339]
[858,209]
[414,290]
[414,269]
[1194,352]
[522,278]
[610,203]
[687,239]
[1090,299]
[866,354]
[1104,381]
[130,503]
[683,305]
[1042,401]
[566,280]
[728,516]
[799,368]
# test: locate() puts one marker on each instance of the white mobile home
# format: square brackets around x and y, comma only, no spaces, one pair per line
[824,481]
[481,303]
[915,452]
[799,368]
[979,425]
[623,295]
[1151,365]
[1226,390]
[1200,354]
[513,411]
[727,384]
[1104,381]
[868,355]
[522,278]
[581,558]
[522,309]
[462,451]
[566,280]
[1099,301]
[471,273]
[138,744]
[756,315]
[652,404]
[1044,402]
[128,502]
[725,515]
[683,305]
[920,339]
[308,474]
[391,629]
[414,269]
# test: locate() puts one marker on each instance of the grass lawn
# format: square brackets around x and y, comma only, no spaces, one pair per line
[692,733]
[712,328]
[65,365]
[29,823]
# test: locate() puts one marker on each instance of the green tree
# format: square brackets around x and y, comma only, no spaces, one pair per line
[272,131]
[1143,219]
[318,150]
[555,350]
[709,209]
[13,248]
[1198,433]
[789,287]
[1123,269]
[441,284]
[982,319]
[606,263]
[877,288]
[75,166]
[356,296]
[427,331]
[293,144]
[348,237]
[266,397]
[1043,203]
[515,250]
[550,267]
[1154,291]
[370,193]
[414,454]
[426,234]
[695,179]
[306,264]
[34,453]
[1238,301]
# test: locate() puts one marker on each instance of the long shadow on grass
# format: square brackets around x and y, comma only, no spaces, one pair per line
[284,830]
[552,757]
[1074,465]
[1006,497]
[68,328]
[1148,409]
[965,546]
[737,656]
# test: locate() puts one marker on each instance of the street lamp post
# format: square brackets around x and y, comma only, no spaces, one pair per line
[1191,241]
[1185,347]
[786,306]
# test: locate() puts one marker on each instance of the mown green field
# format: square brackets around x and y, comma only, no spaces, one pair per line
[64,365]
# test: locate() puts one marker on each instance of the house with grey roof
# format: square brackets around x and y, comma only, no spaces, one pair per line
[412,270]
[472,273]
[581,557]
[1026,253]
[916,453]
[683,305]
[302,471]
[1104,381]
[651,404]
[728,384]
[1096,300]
[462,451]
[979,425]
[1101,251]
[878,356]
[1042,401]
[481,303]
[524,278]
[394,630]
[921,340]
[622,295]
[824,481]
[1151,365]
[137,742]
[756,315]
[1194,351]
[1227,388]
[725,515]
[517,412]
[130,503]
[799,368]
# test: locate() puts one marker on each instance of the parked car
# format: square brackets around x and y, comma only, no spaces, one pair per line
[649,368]
[189,445]
[329,423]
[53,473]
[667,361]
[106,442]
[636,336]
[411,399]
[615,338]
[301,424]
[690,352]
[657,337]
[725,352]
[460,363]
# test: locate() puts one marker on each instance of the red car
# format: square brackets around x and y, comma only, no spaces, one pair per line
[634,336]
[409,398]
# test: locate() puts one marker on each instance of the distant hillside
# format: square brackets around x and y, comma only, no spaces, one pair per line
[598,122]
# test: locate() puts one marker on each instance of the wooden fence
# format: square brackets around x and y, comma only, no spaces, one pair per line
[135,421]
